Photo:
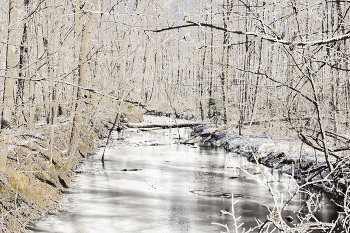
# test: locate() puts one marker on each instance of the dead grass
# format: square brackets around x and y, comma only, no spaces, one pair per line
[32,188]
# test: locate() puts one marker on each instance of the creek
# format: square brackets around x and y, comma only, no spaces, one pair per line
[151,183]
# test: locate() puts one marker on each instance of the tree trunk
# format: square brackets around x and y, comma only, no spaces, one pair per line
[224,73]
[82,27]
[6,115]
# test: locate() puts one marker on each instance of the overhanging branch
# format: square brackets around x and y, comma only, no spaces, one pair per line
[112,97]
[254,34]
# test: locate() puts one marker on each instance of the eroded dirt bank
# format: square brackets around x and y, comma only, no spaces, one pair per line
[33,187]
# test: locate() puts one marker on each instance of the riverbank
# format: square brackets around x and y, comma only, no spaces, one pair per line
[290,156]
[32,187]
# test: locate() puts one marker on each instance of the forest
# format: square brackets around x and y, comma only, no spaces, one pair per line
[69,68]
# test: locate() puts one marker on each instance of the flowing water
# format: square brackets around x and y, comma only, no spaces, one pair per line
[150,183]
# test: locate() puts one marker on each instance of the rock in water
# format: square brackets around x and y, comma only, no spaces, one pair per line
[289,218]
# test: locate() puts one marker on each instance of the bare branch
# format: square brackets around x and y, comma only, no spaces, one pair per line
[282,84]
[135,103]
[254,34]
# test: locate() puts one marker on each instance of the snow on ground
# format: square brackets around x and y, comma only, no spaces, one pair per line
[150,119]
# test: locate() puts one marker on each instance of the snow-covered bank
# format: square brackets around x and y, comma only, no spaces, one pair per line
[290,156]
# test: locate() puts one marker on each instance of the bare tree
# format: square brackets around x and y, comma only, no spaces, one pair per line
[6,114]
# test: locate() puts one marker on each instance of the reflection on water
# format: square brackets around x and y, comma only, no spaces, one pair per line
[152,184]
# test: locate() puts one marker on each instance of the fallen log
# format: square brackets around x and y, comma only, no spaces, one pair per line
[161,126]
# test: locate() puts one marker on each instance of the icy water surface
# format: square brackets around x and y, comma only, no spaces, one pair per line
[152,184]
